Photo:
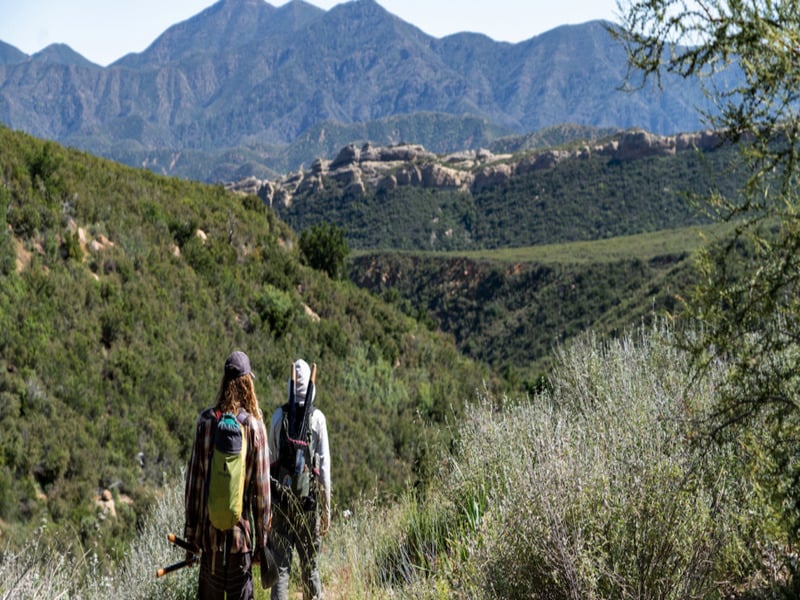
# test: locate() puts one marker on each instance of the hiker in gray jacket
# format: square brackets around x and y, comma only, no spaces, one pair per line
[301,470]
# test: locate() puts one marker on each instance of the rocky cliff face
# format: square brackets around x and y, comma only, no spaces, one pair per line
[388,167]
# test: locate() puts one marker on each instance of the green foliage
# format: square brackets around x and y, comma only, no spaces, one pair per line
[512,309]
[277,309]
[7,253]
[596,489]
[577,200]
[745,303]
[72,247]
[324,248]
[110,347]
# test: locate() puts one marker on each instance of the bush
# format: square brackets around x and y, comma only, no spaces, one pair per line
[324,248]
[277,309]
[596,490]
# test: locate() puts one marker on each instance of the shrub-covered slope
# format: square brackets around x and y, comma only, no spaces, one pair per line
[122,293]
[584,197]
[510,309]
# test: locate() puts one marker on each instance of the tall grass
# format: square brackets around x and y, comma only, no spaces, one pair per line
[599,488]
[35,571]
[135,576]
[40,571]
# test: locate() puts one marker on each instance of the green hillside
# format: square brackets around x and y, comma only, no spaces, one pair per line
[515,268]
[592,198]
[121,294]
[511,308]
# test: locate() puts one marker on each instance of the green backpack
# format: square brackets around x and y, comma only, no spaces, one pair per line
[227,471]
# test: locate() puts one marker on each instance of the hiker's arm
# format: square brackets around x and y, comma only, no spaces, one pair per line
[262,501]
[324,470]
[193,493]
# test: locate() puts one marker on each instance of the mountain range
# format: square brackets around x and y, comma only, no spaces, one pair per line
[246,88]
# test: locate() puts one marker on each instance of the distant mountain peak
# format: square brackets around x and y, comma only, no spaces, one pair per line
[291,83]
[222,27]
[10,55]
[361,8]
[371,21]
[204,33]
[63,55]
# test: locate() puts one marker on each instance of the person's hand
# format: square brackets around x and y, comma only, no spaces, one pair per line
[269,568]
[325,522]
[192,558]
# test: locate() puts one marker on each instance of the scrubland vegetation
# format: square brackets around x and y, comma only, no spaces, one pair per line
[603,487]
[654,463]
[122,292]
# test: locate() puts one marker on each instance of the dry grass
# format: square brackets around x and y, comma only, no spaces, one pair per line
[595,490]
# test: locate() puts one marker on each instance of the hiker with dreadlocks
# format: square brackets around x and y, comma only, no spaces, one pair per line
[228,485]
[301,470]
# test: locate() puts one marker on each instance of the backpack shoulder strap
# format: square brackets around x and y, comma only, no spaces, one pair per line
[208,413]
[243,418]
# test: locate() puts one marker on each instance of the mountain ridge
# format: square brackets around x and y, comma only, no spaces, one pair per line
[244,76]
[385,168]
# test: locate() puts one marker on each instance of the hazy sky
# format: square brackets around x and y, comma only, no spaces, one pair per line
[105,30]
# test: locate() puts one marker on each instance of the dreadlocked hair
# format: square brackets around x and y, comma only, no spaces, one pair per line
[237,392]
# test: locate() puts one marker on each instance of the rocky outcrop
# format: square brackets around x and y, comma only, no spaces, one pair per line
[384,168]
[437,176]
[249,185]
[545,160]
[637,144]
[105,505]
[348,155]
[87,244]
[641,144]
[492,176]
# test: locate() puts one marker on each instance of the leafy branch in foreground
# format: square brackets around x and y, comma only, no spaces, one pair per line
[746,303]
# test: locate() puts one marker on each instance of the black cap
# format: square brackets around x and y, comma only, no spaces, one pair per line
[237,365]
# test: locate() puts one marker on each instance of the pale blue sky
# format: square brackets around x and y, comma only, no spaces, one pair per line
[105,30]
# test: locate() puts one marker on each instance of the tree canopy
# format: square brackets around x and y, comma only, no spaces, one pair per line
[324,247]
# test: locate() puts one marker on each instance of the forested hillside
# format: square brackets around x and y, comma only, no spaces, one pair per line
[512,310]
[525,257]
[122,293]
[585,197]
